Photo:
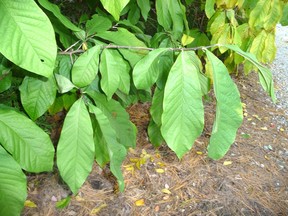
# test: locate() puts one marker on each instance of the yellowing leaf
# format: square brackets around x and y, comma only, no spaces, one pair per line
[30,204]
[166,191]
[186,39]
[160,170]
[264,128]
[257,117]
[199,152]
[227,163]
[282,129]
[140,202]
[96,210]
[132,151]
[161,164]
[84,46]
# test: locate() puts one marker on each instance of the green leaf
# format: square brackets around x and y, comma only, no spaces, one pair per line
[258,15]
[209,8]
[265,75]
[134,13]
[258,45]
[116,151]
[119,119]
[64,84]
[112,68]
[144,6]
[57,13]
[154,134]
[114,7]
[183,114]
[269,51]
[146,71]
[5,79]
[29,145]
[284,19]
[63,203]
[27,36]
[229,114]
[98,24]
[156,109]
[85,68]
[123,37]
[65,66]
[12,185]
[37,95]
[75,150]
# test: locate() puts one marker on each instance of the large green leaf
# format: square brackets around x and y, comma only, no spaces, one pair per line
[114,7]
[57,13]
[123,37]
[228,109]
[119,119]
[27,36]
[37,95]
[265,75]
[29,145]
[147,70]
[112,68]
[75,151]
[183,114]
[85,68]
[12,185]
[116,151]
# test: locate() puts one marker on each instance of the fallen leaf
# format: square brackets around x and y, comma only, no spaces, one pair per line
[30,204]
[63,203]
[282,129]
[96,210]
[157,208]
[257,117]
[245,135]
[166,191]
[140,202]
[266,157]
[199,152]
[166,197]
[264,128]
[227,163]
[160,170]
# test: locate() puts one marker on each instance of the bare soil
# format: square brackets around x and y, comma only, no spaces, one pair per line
[250,180]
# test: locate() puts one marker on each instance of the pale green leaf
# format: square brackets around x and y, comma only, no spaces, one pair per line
[28,144]
[37,95]
[144,5]
[114,7]
[119,119]
[116,151]
[147,70]
[183,114]
[27,36]
[57,13]
[12,185]
[75,150]
[98,24]
[64,84]
[112,68]
[258,45]
[258,15]
[85,68]
[274,16]
[228,109]
[265,75]
[209,8]
[270,48]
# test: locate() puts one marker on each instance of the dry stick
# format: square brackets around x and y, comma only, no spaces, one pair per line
[139,48]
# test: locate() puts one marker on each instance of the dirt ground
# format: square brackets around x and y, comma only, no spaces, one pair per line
[250,180]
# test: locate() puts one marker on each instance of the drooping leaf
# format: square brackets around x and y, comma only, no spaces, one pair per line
[258,45]
[27,36]
[145,7]
[98,24]
[114,7]
[154,134]
[57,13]
[265,75]
[157,106]
[12,185]
[258,15]
[284,18]
[269,51]
[274,16]
[183,114]
[85,67]
[113,69]
[209,8]
[228,109]
[147,70]
[28,144]
[75,150]
[118,118]
[116,151]
[37,95]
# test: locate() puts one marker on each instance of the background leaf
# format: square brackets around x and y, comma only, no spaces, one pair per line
[114,7]
[183,114]
[12,185]
[75,150]
[27,36]
[29,145]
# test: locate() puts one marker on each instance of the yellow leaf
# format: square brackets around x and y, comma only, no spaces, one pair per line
[186,39]
[264,128]
[199,152]
[227,163]
[30,204]
[257,117]
[132,151]
[134,160]
[282,129]
[245,114]
[96,210]
[161,164]
[266,157]
[140,202]
[84,46]
[79,199]
[166,191]
[160,170]
[249,119]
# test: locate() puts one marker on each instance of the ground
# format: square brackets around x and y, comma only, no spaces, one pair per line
[250,180]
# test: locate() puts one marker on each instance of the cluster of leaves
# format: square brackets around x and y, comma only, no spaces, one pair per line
[112,58]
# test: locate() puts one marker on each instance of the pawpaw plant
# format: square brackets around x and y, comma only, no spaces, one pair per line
[119,53]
